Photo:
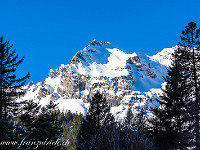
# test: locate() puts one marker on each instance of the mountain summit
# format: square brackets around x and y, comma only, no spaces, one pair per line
[126,80]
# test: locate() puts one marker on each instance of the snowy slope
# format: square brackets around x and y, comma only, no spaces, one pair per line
[101,60]
[126,80]
[105,59]
[164,57]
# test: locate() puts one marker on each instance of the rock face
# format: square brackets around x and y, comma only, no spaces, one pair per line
[124,79]
[133,60]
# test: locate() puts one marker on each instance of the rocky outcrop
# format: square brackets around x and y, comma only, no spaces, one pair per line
[133,60]
[97,43]
[53,73]
[43,92]
[76,86]
[30,84]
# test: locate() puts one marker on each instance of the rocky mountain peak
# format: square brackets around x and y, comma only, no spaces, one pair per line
[53,73]
[97,43]
[126,80]
[30,84]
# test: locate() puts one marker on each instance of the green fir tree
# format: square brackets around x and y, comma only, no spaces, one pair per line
[170,119]
[189,60]
[91,125]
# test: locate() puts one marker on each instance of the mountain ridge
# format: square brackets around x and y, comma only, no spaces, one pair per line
[126,80]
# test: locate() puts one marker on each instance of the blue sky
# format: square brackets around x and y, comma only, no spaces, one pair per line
[49,32]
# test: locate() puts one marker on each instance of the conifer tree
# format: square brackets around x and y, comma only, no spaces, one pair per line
[190,61]
[171,117]
[109,133]
[10,85]
[10,90]
[71,127]
[7,133]
[91,125]
[133,133]
[46,126]
[27,117]
[40,123]
[47,123]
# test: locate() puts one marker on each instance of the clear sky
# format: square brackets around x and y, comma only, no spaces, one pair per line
[49,32]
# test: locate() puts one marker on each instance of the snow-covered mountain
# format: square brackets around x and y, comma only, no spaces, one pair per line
[126,80]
